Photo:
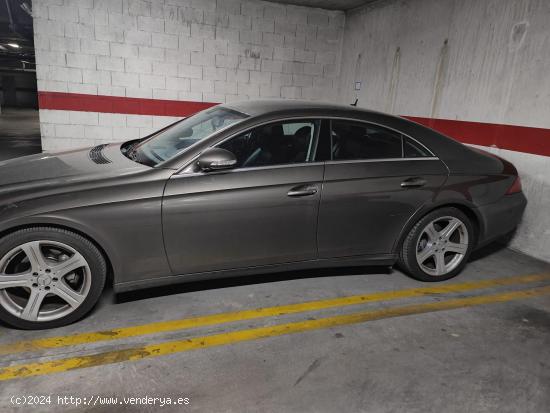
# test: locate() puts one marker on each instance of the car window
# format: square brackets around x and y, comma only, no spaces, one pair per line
[412,149]
[274,144]
[356,140]
[174,140]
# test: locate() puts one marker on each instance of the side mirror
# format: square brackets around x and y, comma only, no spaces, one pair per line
[216,159]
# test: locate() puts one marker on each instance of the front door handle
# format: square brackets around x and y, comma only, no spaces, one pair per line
[413,182]
[302,190]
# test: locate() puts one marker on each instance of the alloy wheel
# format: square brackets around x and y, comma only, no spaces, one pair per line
[43,280]
[442,245]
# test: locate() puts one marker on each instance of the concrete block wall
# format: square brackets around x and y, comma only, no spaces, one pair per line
[186,50]
[467,60]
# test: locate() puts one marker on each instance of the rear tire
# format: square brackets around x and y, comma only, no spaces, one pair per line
[438,246]
[49,277]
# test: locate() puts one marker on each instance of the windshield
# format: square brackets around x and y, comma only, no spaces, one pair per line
[172,141]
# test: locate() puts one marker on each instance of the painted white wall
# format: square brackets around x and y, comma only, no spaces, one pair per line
[197,50]
[484,61]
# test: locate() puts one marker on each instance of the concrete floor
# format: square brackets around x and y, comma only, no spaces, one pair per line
[486,358]
[19,133]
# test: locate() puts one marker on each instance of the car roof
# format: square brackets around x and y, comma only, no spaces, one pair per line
[263,107]
[457,157]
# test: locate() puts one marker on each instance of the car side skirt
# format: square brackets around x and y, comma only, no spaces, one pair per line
[353,261]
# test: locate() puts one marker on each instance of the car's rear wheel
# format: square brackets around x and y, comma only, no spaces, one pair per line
[49,277]
[438,246]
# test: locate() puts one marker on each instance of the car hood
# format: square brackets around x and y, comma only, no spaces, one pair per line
[74,166]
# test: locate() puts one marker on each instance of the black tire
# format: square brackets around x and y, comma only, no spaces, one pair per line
[407,254]
[87,249]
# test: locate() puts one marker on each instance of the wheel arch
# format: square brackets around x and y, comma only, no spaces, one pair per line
[469,210]
[106,255]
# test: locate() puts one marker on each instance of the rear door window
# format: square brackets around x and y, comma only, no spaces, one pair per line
[357,140]
[412,149]
[351,140]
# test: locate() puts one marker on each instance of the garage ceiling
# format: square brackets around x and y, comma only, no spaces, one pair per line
[16,35]
[327,4]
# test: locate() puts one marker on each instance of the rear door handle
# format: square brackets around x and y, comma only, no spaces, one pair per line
[302,190]
[413,182]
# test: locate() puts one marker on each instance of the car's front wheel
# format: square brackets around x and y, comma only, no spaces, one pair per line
[49,277]
[438,246]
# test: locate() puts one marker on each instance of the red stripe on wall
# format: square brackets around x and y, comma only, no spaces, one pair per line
[513,138]
[119,104]
[510,137]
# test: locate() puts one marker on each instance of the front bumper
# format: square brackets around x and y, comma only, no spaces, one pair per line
[501,217]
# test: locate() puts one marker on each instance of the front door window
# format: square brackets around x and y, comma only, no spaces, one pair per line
[275,144]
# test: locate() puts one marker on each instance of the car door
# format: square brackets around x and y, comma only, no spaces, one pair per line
[375,180]
[262,212]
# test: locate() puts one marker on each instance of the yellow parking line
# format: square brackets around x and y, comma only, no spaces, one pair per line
[171,347]
[200,321]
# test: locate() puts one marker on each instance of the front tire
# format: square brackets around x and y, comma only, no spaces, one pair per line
[438,246]
[49,277]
